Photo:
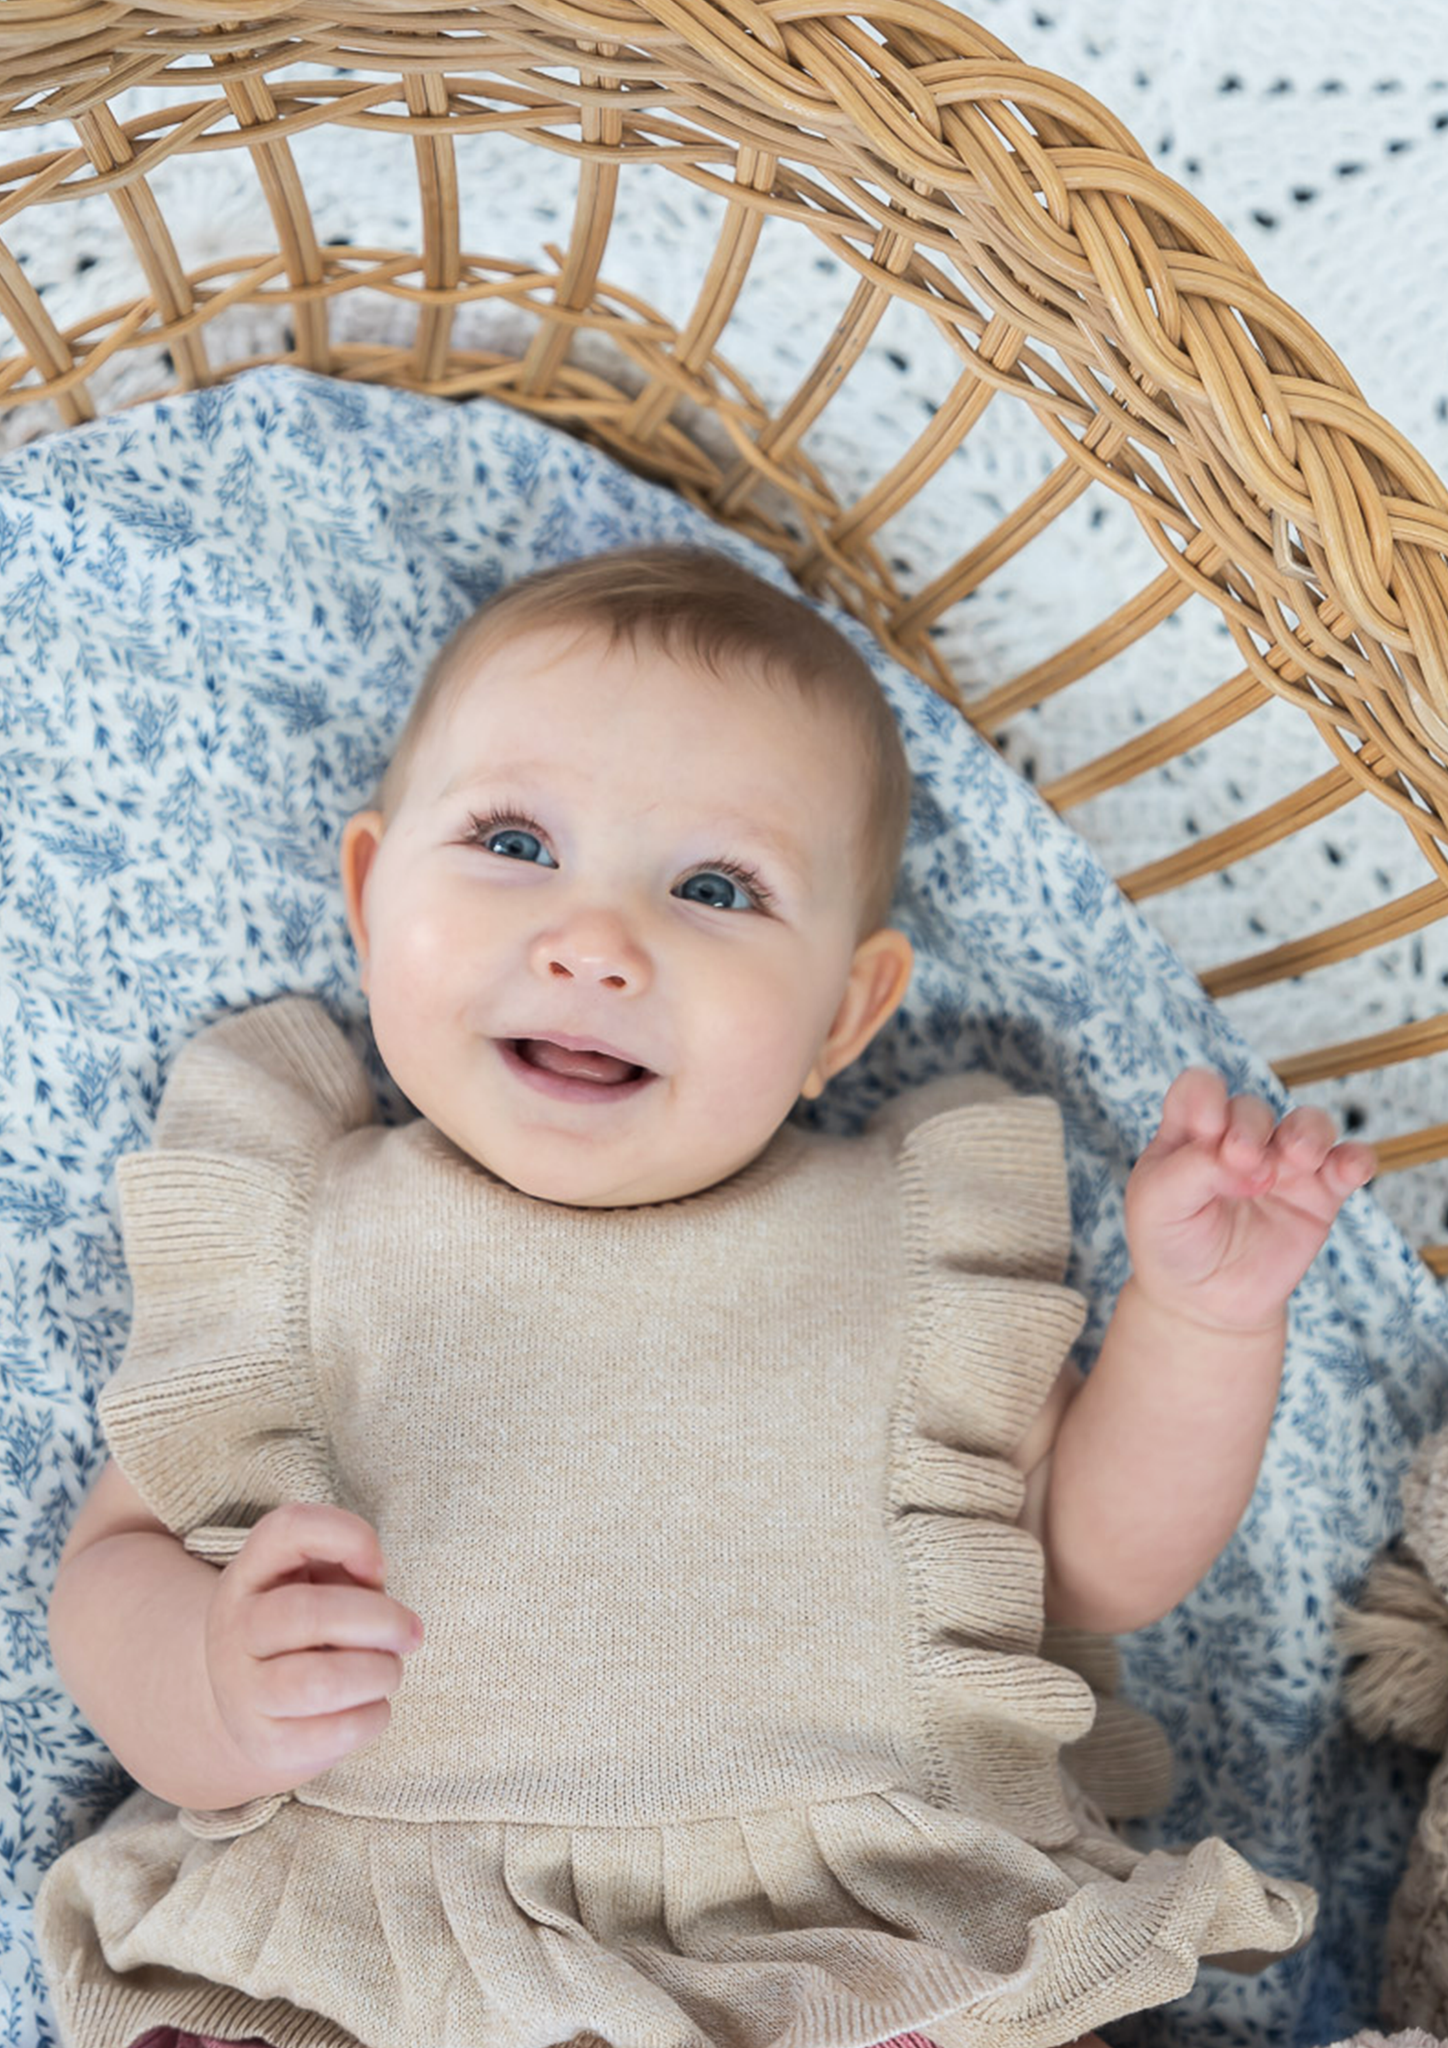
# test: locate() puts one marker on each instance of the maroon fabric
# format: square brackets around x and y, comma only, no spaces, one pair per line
[169,2037]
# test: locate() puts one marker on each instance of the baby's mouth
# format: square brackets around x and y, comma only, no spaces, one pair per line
[575,1072]
[576,1063]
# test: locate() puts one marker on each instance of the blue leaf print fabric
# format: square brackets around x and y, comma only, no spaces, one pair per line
[215,611]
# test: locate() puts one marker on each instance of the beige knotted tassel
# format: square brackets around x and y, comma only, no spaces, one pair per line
[1397,1631]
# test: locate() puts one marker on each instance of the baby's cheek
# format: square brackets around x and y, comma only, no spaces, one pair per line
[427,936]
[433,962]
[757,1088]
[415,987]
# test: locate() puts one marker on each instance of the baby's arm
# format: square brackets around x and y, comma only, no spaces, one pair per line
[216,1687]
[1157,1455]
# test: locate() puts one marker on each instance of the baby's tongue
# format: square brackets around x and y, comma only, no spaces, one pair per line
[576,1066]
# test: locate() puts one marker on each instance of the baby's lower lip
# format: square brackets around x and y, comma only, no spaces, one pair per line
[569,1087]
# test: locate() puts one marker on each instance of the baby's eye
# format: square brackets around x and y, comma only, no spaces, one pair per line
[514,842]
[715,889]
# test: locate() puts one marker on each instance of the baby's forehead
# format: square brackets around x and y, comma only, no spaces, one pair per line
[640,669]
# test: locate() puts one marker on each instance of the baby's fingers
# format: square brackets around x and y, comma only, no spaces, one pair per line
[1246,1146]
[1303,1140]
[317,1684]
[1208,1143]
[1195,1109]
[298,1749]
[1348,1167]
[304,1616]
[304,1535]
[1209,1146]
[1305,1150]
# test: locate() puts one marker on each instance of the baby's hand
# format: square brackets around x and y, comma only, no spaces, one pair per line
[303,1648]
[1226,1208]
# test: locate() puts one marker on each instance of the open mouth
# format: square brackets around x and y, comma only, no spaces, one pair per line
[573,1071]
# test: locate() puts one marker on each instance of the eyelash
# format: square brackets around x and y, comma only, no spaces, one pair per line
[745,877]
[482,826]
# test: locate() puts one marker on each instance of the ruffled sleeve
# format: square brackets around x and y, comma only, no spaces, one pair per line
[988,1226]
[213,1414]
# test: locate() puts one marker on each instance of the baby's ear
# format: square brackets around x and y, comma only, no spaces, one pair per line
[361,837]
[879,976]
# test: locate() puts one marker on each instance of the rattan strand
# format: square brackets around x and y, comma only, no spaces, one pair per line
[1006,206]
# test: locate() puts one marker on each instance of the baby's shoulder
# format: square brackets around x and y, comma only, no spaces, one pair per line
[984,1170]
[974,1102]
[278,1080]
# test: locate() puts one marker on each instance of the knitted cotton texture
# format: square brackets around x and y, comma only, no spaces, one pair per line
[730,1726]
[1397,1631]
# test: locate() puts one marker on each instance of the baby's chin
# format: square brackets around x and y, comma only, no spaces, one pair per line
[565,1192]
[564,1185]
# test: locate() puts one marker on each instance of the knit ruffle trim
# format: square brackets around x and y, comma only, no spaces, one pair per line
[213,1415]
[832,1927]
[988,1233]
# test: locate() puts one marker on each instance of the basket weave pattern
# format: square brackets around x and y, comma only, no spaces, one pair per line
[1007,207]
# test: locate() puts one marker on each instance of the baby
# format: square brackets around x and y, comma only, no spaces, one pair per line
[577,1560]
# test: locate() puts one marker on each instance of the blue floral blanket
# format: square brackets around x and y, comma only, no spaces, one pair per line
[215,612]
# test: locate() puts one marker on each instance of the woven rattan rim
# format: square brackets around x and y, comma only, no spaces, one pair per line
[1004,203]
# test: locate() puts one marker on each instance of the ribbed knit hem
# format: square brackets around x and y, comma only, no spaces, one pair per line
[220,2014]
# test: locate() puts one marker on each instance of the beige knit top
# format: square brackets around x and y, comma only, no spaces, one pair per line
[730,1726]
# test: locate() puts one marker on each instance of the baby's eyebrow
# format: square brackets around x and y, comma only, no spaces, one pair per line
[778,843]
[491,774]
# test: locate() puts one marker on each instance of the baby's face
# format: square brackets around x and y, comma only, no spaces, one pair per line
[609,932]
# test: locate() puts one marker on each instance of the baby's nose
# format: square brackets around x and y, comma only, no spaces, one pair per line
[597,947]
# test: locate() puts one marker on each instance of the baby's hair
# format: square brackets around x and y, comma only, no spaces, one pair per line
[695,603]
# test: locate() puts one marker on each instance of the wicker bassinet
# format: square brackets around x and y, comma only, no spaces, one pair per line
[999,204]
